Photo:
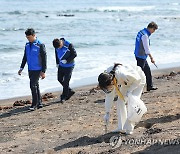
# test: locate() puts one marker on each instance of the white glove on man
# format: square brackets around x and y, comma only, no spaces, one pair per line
[64,61]
[106,117]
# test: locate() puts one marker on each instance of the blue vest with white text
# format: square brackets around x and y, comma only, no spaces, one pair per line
[33,55]
[139,48]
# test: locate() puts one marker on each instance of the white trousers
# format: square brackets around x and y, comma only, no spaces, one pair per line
[123,122]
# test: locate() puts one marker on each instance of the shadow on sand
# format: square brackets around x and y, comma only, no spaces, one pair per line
[165,147]
[85,140]
[24,109]
[164,119]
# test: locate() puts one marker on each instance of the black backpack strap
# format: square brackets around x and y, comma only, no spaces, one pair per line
[113,69]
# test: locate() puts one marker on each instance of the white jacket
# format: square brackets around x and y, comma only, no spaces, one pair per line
[128,78]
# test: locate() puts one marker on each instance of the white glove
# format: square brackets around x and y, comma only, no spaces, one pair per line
[64,61]
[128,93]
[106,117]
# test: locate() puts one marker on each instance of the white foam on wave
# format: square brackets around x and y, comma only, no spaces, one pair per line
[176,4]
[126,8]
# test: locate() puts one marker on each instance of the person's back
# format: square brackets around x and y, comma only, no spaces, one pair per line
[132,72]
[140,51]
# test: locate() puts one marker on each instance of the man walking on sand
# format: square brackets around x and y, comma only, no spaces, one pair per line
[65,54]
[142,51]
[36,58]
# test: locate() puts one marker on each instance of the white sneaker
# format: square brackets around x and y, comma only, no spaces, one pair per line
[32,108]
[129,132]
[119,131]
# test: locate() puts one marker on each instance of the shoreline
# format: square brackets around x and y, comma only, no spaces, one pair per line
[155,73]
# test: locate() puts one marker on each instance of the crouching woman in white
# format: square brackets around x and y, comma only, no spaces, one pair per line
[124,80]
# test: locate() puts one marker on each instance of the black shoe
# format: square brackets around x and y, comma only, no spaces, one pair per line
[62,99]
[40,106]
[70,94]
[152,88]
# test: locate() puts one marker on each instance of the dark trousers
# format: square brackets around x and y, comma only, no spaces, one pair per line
[34,86]
[146,69]
[64,76]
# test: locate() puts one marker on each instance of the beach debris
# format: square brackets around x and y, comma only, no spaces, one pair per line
[82,98]
[153,131]
[99,101]
[85,93]
[21,102]
[5,107]
[93,90]
[167,76]
[173,73]
[47,96]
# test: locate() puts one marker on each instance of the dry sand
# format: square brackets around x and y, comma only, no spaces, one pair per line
[77,126]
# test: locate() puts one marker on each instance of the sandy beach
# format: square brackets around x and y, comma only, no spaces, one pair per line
[77,125]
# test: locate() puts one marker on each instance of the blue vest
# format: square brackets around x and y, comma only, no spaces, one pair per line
[64,53]
[139,48]
[33,55]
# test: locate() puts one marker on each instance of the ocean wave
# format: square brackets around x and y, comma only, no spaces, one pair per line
[15,12]
[18,12]
[6,74]
[96,44]
[175,3]
[12,29]
[111,9]
[88,44]
[7,49]
[125,8]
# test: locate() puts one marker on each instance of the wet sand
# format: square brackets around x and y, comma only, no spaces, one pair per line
[77,125]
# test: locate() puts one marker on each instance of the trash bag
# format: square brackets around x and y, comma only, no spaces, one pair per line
[136,108]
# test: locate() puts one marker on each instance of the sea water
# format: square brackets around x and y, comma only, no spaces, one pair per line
[103,32]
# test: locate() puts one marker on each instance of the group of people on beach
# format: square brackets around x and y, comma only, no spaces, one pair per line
[36,58]
[123,80]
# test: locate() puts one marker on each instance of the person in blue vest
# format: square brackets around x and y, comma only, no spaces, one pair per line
[36,58]
[142,51]
[65,54]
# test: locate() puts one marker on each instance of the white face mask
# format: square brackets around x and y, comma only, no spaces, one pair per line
[109,89]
